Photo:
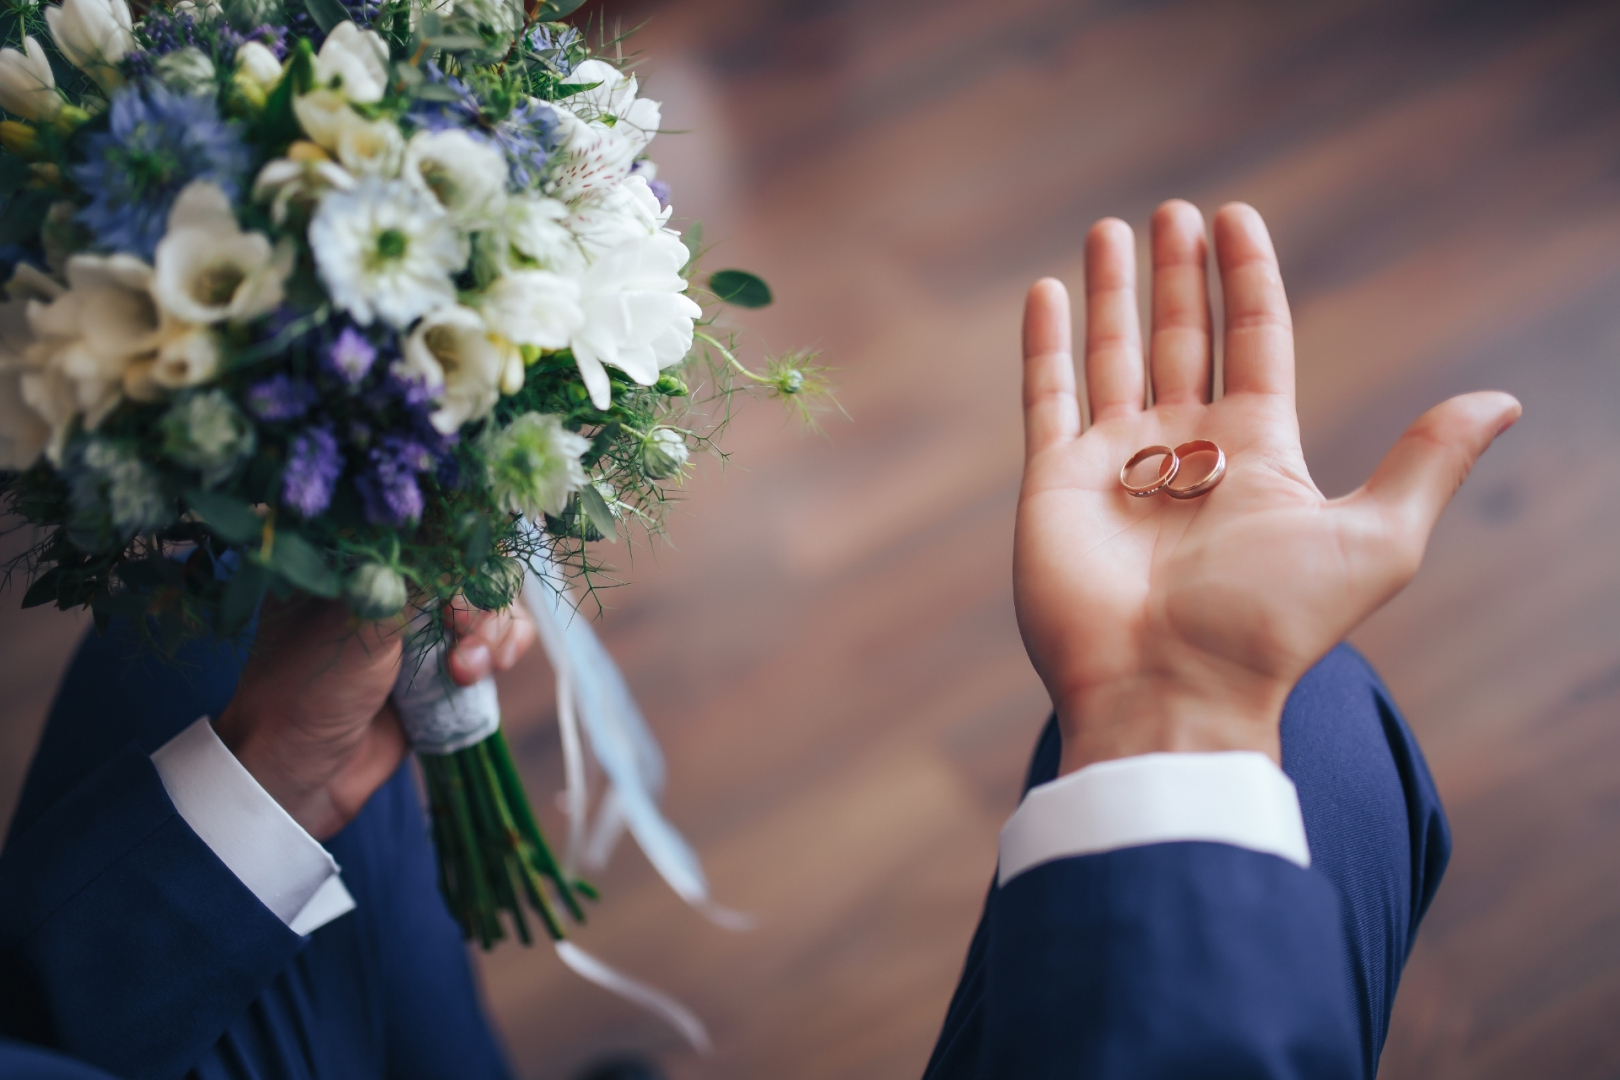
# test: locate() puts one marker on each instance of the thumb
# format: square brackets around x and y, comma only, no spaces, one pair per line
[1426,466]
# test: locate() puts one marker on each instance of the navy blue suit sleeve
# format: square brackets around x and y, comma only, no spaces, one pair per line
[1209,960]
[124,941]
[20,1061]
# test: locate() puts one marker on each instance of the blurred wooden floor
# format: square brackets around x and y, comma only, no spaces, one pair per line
[828,648]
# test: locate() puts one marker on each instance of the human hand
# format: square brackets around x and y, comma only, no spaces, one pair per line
[1168,625]
[311,719]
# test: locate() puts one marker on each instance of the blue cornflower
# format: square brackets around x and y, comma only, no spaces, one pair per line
[350,357]
[157,142]
[314,464]
[528,135]
[556,47]
[280,397]
[388,488]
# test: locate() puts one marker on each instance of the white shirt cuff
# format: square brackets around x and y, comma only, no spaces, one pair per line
[281,864]
[1236,797]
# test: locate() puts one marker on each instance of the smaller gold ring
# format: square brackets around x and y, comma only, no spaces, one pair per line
[1167,471]
[1213,477]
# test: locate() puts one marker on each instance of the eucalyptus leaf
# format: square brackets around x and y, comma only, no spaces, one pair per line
[597,512]
[455,42]
[44,588]
[741,288]
[327,13]
[230,519]
[552,10]
[301,563]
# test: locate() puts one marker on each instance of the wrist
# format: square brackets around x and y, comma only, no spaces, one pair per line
[276,769]
[1147,716]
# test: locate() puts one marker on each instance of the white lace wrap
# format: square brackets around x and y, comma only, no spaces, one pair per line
[440,717]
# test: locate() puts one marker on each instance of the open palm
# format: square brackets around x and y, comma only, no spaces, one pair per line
[1164,624]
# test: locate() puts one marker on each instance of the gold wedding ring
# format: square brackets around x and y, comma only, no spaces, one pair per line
[1211,478]
[1167,471]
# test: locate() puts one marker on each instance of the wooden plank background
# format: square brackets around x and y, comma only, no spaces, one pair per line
[827,646]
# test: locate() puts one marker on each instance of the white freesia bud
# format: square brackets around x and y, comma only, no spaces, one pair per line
[186,71]
[664,453]
[532,307]
[257,67]
[376,591]
[323,114]
[27,86]
[534,464]
[451,352]
[94,35]
[466,175]
[354,62]
[207,270]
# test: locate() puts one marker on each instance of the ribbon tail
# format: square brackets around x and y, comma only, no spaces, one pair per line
[575,784]
[672,1012]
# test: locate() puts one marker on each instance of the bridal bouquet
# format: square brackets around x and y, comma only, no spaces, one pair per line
[374,300]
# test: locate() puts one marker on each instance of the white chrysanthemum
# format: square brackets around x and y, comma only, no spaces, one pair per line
[637,316]
[534,464]
[386,250]
[627,212]
[24,432]
[299,179]
[529,233]
[466,175]
[27,85]
[353,62]
[94,35]
[207,270]
[450,351]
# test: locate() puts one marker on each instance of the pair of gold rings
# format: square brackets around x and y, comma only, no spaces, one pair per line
[1172,469]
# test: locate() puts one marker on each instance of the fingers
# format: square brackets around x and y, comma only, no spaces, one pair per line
[1180,347]
[1051,411]
[1426,466]
[1259,331]
[487,642]
[1113,334]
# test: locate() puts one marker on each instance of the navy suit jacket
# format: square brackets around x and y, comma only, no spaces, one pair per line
[127,948]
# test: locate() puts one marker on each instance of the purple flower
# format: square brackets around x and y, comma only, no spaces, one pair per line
[280,397]
[313,467]
[661,191]
[388,488]
[351,356]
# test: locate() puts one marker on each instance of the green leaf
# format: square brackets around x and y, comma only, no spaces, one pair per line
[327,13]
[741,288]
[303,565]
[228,518]
[241,598]
[44,588]
[552,10]
[597,512]
[455,42]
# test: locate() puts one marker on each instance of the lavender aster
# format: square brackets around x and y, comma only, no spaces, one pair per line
[313,467]
[350,357]
[157,142]
[389,488]
[280,397]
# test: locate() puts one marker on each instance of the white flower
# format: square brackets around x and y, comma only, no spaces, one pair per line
[186,355]
[300,178]
[186,71]
[533,464]
[207,269]
[503,18]
[596,157]
[637,317]
[370,147]
[354,62]
[94,35]
[24,432]
[202,13]
[613,102]
[466,175]
[451,353]
[323,114]
[533,307]
[629,211]
[257,70]
[386,250]
[529,233]
[27,86]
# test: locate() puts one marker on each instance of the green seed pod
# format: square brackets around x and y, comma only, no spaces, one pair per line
[375,591]
[663,453]
[495,586]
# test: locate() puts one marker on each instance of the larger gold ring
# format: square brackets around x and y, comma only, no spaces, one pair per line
[1167,471]
[1211,478]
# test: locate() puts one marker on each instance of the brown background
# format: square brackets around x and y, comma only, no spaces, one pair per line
[827,647]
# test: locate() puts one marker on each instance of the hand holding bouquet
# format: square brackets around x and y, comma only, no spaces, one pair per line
[370,300]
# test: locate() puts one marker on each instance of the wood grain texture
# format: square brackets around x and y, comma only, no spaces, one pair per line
[827,645]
